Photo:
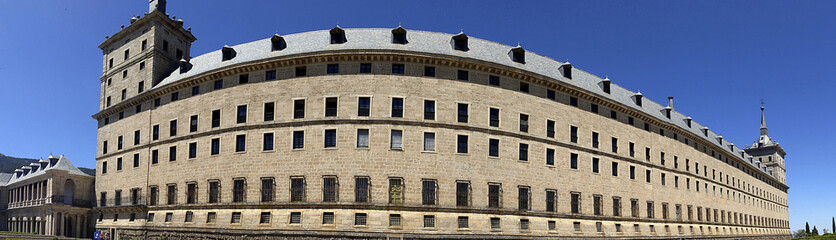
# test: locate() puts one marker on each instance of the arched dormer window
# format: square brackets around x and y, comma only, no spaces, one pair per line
[605,85]
[277,43]
[517,54]
[185,66]
[566,70]
[228,53]
[337,35]
[459,42]
[399,35]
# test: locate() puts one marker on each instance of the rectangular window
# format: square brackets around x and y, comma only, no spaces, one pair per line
[193,150]
[298,139]
[216,118]
[394,220]
[155,156]
[269,111]
[614,169]
[551,201]
[362,138]
[172,130]
[363,106]
[647,153]
[360,219]
[429,110]
[650,209]
[576,202]
[214,191]
[156,102]
[299,108]
[243,79]
[397,107]
[429,71]
[329,189]
[550,128]
[493,147]
[365,68]
[396,190]
[463,222]
[124,94]
[297,189]
[301,71]
[549,156]
[195,90]
[136,137]
[136,159]
[193,123]
[330,138]
[523,123]
[270,75]
[295,217]
[594,139]
[429,221]
[396,139]
[331,107]
[428,191]
[493,80]
[634,207]
[171,194]
[328,218]
[461,144]
[118,164]
[632,172]
[647,175]
[240,143]
[175,96]
[632,149]
[616,206]
[152,195]
[191,193]
[242,114]
[494,118]
[361,189]
[463,75]
[523,152]
[268,142]
[172,153]
[219,84]
[573,161]
[462,193]
[615,145]
[597,202]
[238,190]
[267,186]
[397,69]
[119,143]
[523,198]
[573,131]
[429,142]
[140,87]
[494,195]
[333,68]
[216,146]
[524,87]
[462,113]
[264,218]
[595,165]
[613,114]
[573,101]
[236,217]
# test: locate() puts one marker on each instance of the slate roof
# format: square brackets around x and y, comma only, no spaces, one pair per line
[380,40]
[62,163]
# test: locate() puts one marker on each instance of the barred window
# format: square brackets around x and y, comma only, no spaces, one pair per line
[172,194]
[428,191]
[238,190]
[191,193]
[152,195]
[495,223]
[328,218]
[264,218]
[597,202]
[189,216]
[394,220]
[361,189]
[295,217]
[634,207]
[551,200]
[616,206]
[429,221]
[524,196]
[576,202]
[297,189]
[524,224]
[463,222]
[360,219]
[494,195]
[396,191]
[553,225]
[329,189]
[462,193]
[211,217]
[214,191]
[267,186]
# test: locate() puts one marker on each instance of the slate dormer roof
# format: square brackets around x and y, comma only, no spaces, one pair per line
[63,164]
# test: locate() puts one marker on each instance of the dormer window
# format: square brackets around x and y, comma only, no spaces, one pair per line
[517,54]
[688,121]
[566,70]
[705,131]
[228,53]
[605,85]
[338,35]
[277,43]
[185,66]
[668,112]
[720,140]
[399,35]
[638,98]
[460,42]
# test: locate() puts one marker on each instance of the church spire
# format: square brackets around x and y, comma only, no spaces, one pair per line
[763,123]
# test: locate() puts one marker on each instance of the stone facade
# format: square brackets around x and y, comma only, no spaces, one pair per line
[51,197]
[695,187]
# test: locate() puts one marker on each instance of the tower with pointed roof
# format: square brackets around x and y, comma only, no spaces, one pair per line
[140,55]
[768,152]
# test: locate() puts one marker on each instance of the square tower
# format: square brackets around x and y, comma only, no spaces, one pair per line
[142,54]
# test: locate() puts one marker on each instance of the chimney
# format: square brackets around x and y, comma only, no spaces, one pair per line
[156,5]
[670,102]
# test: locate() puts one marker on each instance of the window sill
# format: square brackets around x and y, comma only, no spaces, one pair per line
[523,161]
[396,149]
[429,152]
[297,149]
[362,148]
[330,148]
[241,152]
[551,166]
[462,154]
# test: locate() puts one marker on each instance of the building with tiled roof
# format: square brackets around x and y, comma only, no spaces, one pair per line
[376,133]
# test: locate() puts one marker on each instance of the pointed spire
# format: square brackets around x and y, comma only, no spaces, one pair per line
[763,122]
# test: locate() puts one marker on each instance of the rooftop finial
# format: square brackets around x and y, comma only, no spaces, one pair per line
[763,121]
[158,5]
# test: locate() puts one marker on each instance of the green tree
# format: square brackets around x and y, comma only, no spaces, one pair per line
[815,231]
[833,223]
[807,228]
[800,233]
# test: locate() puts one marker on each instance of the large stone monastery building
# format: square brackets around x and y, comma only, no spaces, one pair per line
[396,133]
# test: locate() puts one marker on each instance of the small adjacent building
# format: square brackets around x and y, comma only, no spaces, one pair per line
[49,197]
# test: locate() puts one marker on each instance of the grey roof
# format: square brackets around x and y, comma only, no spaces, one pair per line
[4,178]
[379,39]
[63,163]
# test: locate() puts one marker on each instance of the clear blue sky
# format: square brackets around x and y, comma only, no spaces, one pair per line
[717,58]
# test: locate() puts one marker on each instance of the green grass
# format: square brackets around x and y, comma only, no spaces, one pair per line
[828,236]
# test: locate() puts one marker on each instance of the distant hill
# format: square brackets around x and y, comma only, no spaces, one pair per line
[8,164]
